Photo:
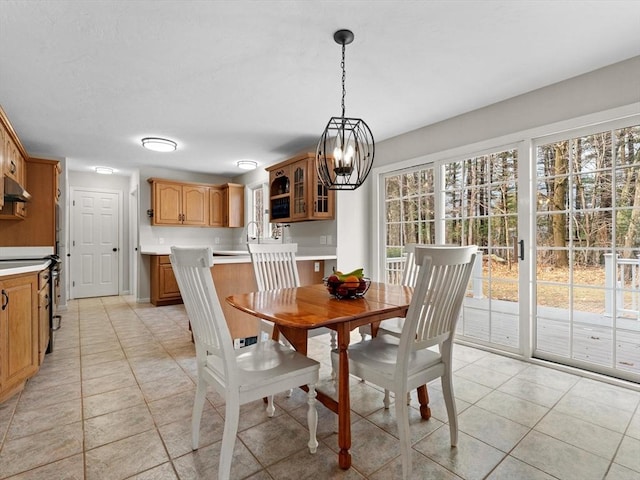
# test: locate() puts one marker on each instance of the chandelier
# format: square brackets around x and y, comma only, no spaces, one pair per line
[346,148]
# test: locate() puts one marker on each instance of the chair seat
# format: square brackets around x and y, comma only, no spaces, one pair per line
[376,360]
[392,326]
[262,368]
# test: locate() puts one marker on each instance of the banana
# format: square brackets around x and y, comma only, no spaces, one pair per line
[358,272]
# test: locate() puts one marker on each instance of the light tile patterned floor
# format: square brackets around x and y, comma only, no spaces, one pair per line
[113,401]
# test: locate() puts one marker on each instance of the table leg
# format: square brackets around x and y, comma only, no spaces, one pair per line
[423,398]
[344,403]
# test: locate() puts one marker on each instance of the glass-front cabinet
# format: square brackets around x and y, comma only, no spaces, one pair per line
[296,193]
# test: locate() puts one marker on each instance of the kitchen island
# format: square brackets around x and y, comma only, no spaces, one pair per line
[232,273]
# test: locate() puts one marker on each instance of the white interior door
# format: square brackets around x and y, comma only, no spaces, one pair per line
[95,217]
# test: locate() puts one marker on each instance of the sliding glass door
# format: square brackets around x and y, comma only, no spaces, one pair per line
[471,201]
[587,287]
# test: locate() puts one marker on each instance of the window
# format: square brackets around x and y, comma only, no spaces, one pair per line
[557,222]
[258,211]
[409,216]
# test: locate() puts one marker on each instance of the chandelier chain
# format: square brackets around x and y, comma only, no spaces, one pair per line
[344,76]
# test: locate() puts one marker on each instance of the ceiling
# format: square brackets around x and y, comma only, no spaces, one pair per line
[232,80]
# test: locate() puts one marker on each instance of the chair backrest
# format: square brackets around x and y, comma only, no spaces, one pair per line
[192,269]
[440,288]
[410,273]
[411,268]
[274,265]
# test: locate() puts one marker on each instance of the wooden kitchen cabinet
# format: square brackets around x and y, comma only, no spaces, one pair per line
[295,192]
[38,228]
[183,204]
[217,206]
[226,205]
[164,287]
[12,164]
[18,332]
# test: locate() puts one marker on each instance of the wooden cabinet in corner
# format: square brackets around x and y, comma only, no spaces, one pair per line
[295,192]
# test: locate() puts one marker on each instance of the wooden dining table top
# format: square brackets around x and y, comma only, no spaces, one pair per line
[312,306]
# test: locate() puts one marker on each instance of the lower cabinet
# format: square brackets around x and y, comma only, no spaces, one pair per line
[229,278]
[19,332]
[164,287]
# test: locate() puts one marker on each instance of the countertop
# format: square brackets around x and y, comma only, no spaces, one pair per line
[15,267]
[229,255]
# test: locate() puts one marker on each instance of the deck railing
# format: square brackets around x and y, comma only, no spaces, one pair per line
[622,282]
[395,269]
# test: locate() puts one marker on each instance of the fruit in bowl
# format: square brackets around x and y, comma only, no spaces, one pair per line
[347,285]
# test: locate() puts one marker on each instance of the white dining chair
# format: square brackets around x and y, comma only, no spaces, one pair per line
[402,364]
[275,267]
[239,376]
[393,326]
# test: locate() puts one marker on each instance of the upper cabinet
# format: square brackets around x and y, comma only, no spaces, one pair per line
[176,203]
[38,228]
[12,164]
[226,205]
[196,205]
[295,192]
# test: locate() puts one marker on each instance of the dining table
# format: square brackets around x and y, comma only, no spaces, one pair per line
[295,311]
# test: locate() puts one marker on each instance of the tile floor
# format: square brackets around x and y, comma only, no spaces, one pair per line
[113,401]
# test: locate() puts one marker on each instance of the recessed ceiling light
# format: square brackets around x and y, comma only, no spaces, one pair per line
[104,170]
[247,164]
[158,144]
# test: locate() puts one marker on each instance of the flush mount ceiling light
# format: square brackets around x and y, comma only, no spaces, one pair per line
[158,144]
[104,170]
[247,164]
[346,148]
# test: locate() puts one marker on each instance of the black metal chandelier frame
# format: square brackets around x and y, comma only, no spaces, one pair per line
[346,148]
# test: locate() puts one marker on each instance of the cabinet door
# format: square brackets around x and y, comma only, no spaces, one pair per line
[11,161]
[164,287]
[216,207]
[167,204]
[299,172]
[19,331]
[323,198]
[235,205]
[195,205]
[168,284]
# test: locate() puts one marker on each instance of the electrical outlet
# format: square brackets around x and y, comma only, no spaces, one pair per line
[216,240]
[329,239]
[244,342]
[161,241]
[323,239]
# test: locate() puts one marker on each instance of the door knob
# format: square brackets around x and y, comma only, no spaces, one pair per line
[115,249]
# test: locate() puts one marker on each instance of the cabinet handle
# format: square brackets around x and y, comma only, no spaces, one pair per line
[5,297]
[12,168]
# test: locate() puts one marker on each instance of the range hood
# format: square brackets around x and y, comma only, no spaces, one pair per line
[14,192]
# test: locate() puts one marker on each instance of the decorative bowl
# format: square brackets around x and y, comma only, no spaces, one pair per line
[340,289]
